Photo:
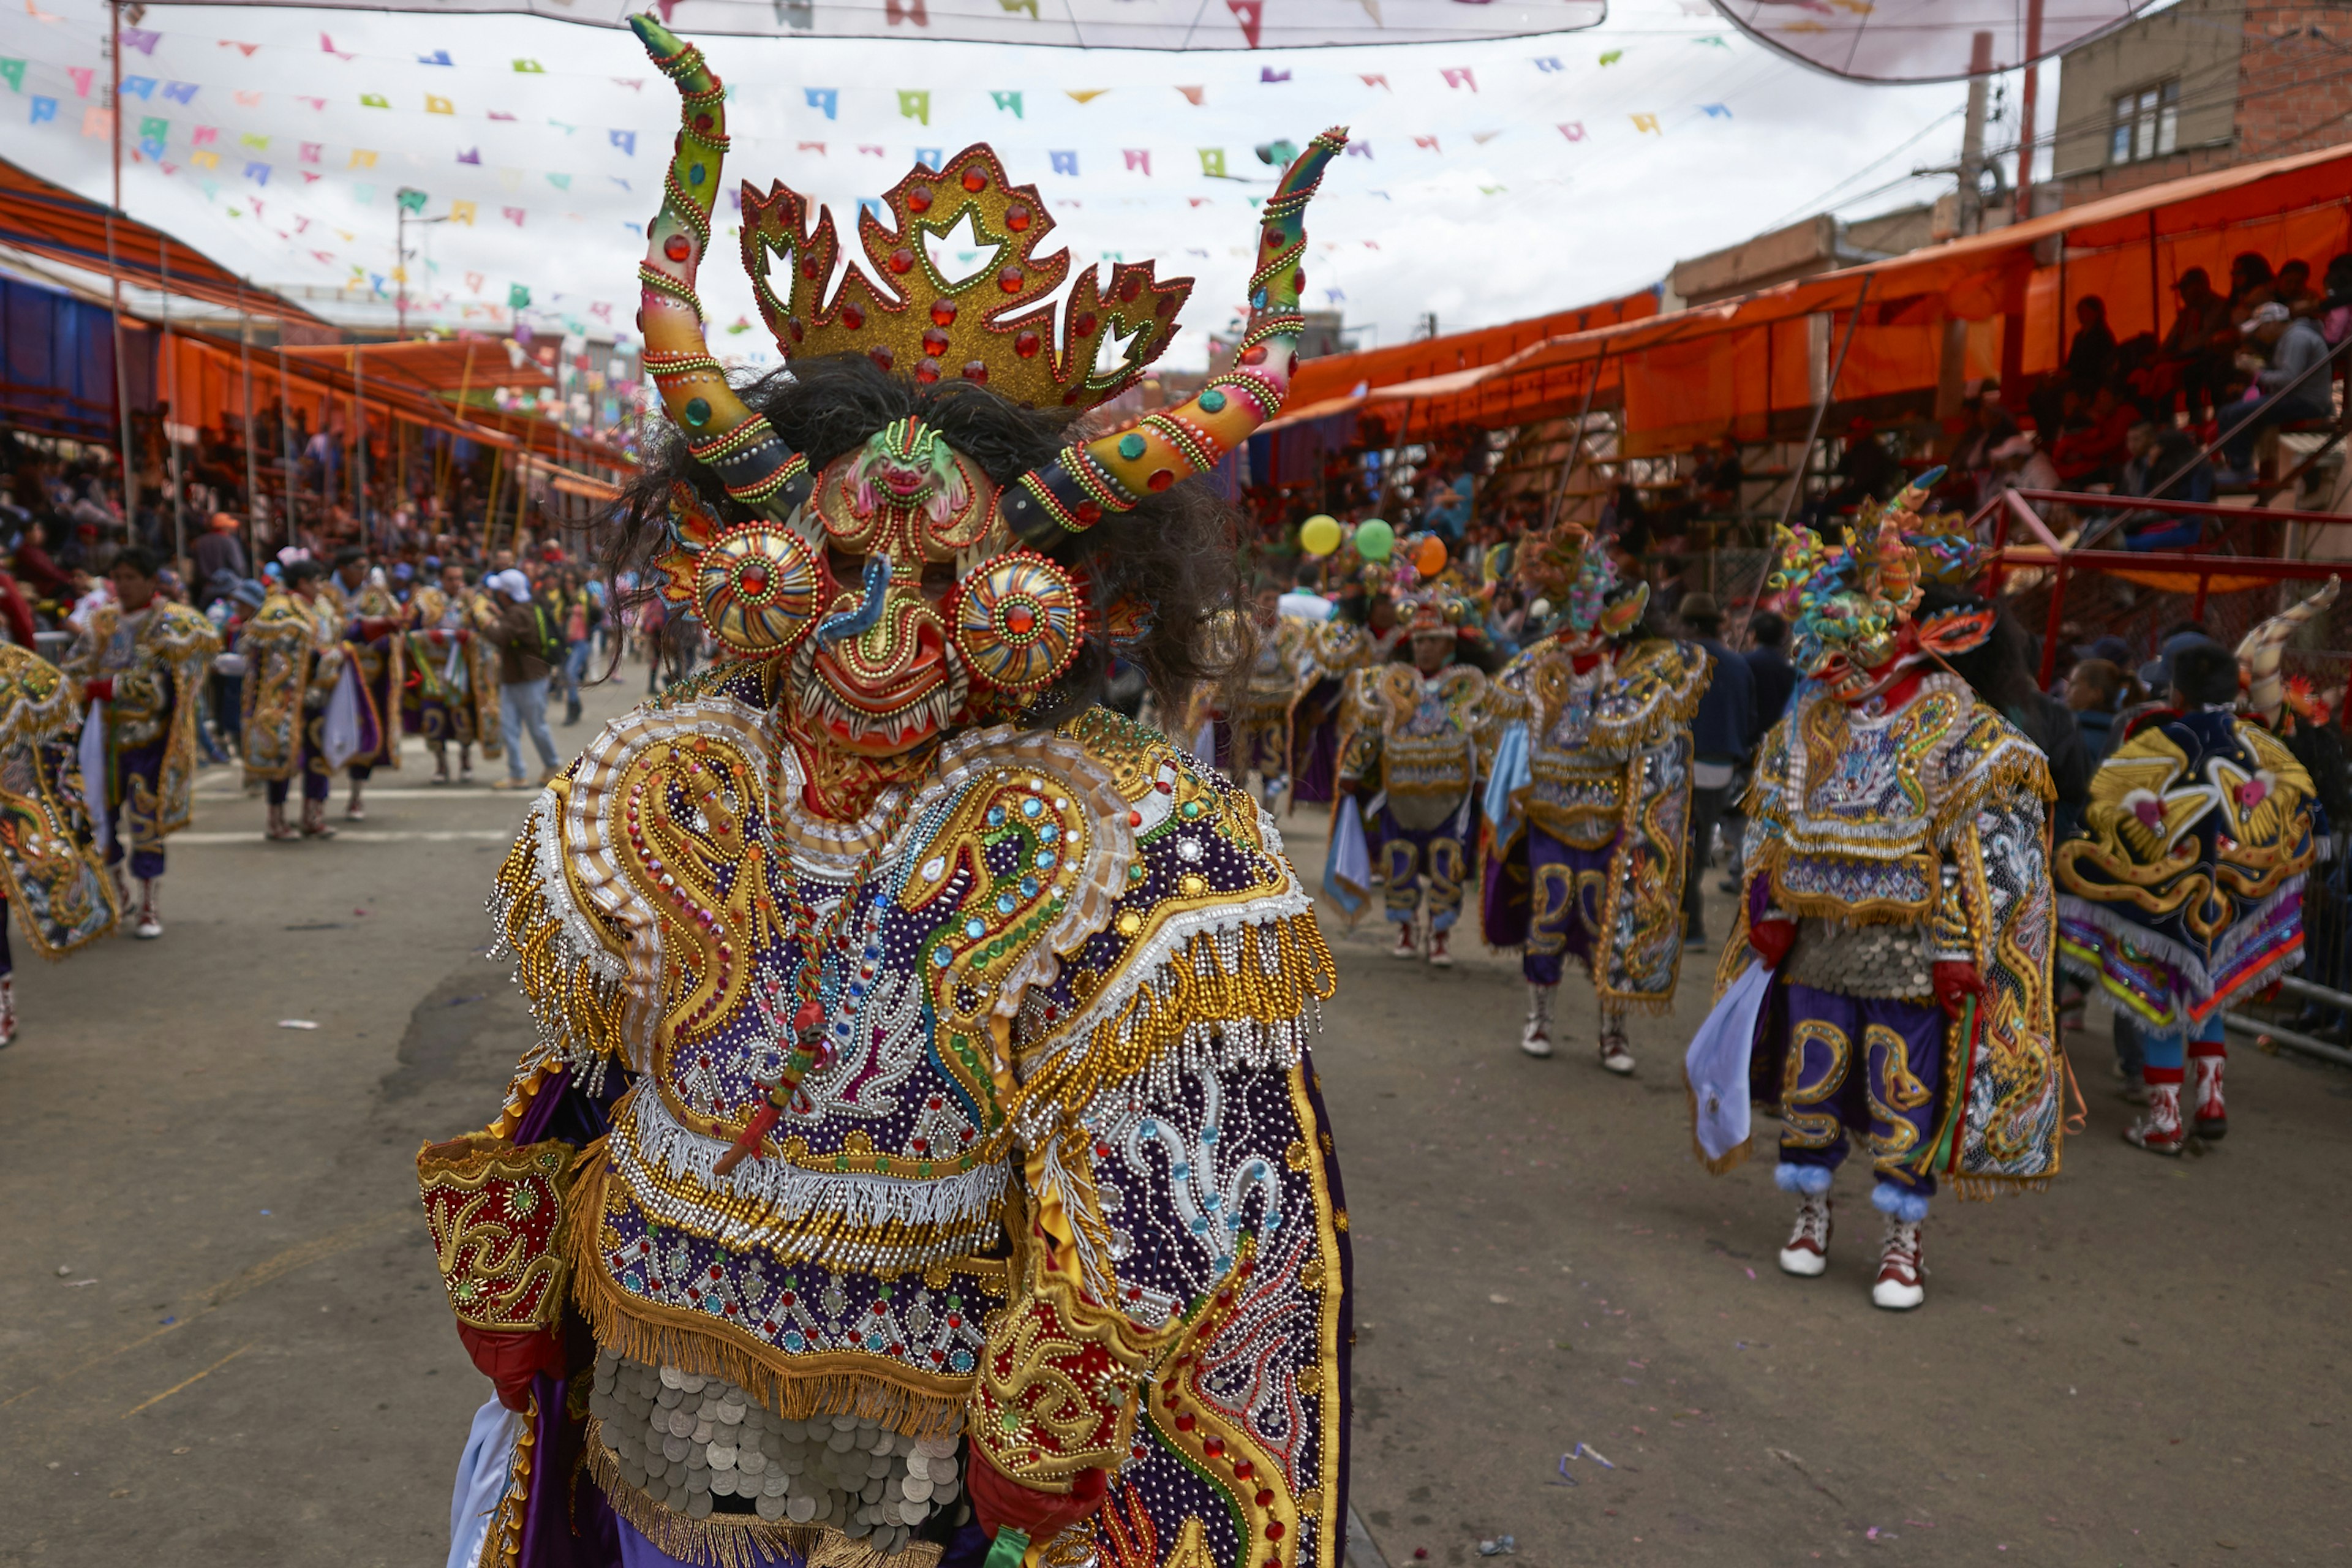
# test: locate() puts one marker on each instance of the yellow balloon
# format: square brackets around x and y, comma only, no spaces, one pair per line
[1319,535]
[1428,557]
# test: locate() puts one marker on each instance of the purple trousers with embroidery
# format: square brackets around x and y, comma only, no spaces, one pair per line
[1865,1066]
[1412,860]
[144,763]
[1545,899]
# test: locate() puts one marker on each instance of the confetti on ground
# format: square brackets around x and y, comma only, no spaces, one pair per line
[297,1024]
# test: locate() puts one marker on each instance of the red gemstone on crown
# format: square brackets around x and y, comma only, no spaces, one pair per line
[1254,354]
[755,579]
[794,324]
[852,316]
[809,267]
[902,259]
[881,354]
[1020,620]
[1161,478]
[1011,278]
[1083,326]
[927,370]
[919,200]
[702,123]
[935,341]
[1025,343]
[943,312]
[1016,217]
[1131,288]
[975,370]
[975,178]
[677,247]
[1090,512]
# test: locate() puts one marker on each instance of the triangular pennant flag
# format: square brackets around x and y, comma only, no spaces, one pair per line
[1193,95]
[1087,94]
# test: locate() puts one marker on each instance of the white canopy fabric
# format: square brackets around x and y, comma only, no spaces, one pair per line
[1160,25]
[1924,40]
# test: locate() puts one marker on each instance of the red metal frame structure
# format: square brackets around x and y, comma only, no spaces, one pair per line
[2062,562]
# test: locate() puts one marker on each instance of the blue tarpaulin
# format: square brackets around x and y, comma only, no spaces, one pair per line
[57,363]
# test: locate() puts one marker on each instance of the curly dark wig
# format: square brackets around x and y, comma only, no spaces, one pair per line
[1177,551]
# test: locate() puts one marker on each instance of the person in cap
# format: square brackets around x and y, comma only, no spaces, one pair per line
[527,632]
[922,1127]
[219,550]
[141,658]
[1897,902]
[1589,794]
[1410,735]
[2186,890]
[2283,353]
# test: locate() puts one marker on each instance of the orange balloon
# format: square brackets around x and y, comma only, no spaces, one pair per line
[1428,557]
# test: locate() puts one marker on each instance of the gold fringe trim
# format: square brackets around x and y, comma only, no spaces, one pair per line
[620,1324]
[578,1011]
[1731,1162]
[2027,769]
[735,1540]
[1198,988]
[1984,1189]
[503,1545]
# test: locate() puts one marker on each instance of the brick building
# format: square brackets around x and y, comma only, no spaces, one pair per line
[2201,84]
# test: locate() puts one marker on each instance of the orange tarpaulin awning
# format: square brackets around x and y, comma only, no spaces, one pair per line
[42,218]
[434,365]
[1692,373]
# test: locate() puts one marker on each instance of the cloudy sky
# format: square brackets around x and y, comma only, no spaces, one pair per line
[1497,180]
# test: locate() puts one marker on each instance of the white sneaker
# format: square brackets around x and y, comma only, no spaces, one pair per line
[1900,1267]
[1406,947]
[1807,1256]
[1614,1057]
[150,923]
[1439,957]
[1535,1037]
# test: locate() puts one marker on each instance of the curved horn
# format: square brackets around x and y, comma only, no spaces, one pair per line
[722,431]
[1113,472]
[2263,649]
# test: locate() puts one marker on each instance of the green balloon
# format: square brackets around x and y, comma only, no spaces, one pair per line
[1374,538]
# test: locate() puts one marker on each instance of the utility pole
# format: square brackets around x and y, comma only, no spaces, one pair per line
[2027,124]
[407,201]
[114,272]
[1969,219]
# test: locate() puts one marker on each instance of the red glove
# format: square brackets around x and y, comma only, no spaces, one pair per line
[1773,938]
[511,1358]
[99,690]
[374,627]
[1001,1503]
[1957,980]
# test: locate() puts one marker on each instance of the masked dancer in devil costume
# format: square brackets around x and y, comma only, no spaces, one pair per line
[920,1159]
[1891,957]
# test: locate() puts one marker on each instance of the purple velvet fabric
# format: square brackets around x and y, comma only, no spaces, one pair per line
[1544,898]
[1865,1066]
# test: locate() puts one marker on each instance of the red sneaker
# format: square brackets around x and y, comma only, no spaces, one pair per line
[2159,1131]
[2212,1116]
[1901,1264]
[1807,1254]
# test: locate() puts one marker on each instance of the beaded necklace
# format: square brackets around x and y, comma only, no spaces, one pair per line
[812,940]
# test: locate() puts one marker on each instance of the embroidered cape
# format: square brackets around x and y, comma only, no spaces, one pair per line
[1933,815]
[158,671]
[49,870]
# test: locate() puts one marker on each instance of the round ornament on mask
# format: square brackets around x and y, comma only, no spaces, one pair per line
[756,589]
[1018,621]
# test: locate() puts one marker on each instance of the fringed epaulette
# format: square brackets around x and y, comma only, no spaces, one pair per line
[1657,688]
[1213,958]
[1989,761]
[568,970]
[181,633]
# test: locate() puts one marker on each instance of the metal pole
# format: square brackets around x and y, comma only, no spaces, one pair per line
[285,440]
[113,272]
[2028,122]
[1575,442]
[171,446]
[360,463]
[252,470]
[1829,395]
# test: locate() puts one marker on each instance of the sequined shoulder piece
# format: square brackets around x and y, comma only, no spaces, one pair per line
[1210,955]
[37,701]
[182,633]
[1986,759]
[1657,688]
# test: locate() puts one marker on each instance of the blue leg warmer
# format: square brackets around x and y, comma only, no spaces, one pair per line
[1900,1202]
[1812,1180]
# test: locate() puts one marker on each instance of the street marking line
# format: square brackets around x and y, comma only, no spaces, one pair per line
[366,835]
[177,1386]
[237,1284]
[454,792]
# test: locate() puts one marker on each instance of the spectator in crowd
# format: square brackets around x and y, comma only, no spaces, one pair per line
[219,551]
[2294,347]
[1723,736]
[2097,691]
[1302,600]
[2157,454]
[2251,285]
[1865,472]
[2334,311]
[2188,354]
[1775,680]
[528,639]
[1988,425]
[1718,481]
[36,571]
[2096,450]
[2292,288]
[2091,357]
[567,596]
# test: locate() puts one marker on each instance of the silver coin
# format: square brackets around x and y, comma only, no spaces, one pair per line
[769,1508]
[722,1482]
[917,1487]
[722,1455]
[858,1528]
[702,1432]
[674,1449]
[680,1423]
[698,1506]
[698,1459]
[774,1484]
[697,1482]
[801,1509]
[731,1415]
[749,1460]
[914,1511]
[793,1431]
[936,1447]
[872,1490]
[845,1423]
[880,1466]
[610,1436]
[692,1382]
[671,1378]
[839,1442]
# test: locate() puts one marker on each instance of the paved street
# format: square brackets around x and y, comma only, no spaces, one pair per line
[222,1344]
